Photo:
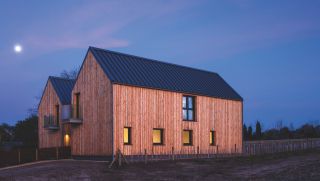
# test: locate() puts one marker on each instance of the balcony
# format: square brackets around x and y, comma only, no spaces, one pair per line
[72,114]
[51,123]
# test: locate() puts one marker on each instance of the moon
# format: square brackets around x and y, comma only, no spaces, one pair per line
[17,48]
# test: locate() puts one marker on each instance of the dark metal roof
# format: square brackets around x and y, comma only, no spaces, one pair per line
[63,88]
[142,72]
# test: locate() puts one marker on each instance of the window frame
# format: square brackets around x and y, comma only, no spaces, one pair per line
[190,137]
[212,134]
[57,114]
[187,109]
[161,136]
[129,136]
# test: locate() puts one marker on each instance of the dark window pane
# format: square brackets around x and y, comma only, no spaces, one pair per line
[184,112]
[184,102]
[190,115]
[190,102]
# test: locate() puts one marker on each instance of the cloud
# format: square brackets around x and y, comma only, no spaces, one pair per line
[92,23]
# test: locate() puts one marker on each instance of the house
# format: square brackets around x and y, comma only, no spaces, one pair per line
[137,105]
[56,97]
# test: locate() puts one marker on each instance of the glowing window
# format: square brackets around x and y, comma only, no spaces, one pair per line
[127,135]
[212,138]
[157,136]
[187,137]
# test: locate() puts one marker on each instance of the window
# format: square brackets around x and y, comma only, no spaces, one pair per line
[188,112]
[127,136]
[187,137]
[157,136]
[77,108]
[57,115]
[212,138]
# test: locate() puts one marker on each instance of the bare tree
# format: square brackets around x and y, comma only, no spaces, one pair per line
[71,74]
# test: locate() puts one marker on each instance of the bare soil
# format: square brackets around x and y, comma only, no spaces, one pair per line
[283,166]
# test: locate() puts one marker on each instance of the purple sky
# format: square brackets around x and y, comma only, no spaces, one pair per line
[269,51]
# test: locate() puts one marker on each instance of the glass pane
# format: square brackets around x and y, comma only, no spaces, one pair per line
[184,102]
[157,136]
[213,132]
[126,135]
[210,137]
[190,102]
[186,137]
[184,112]
[190,115]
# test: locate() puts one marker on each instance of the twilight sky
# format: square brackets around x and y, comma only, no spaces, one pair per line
[269,51]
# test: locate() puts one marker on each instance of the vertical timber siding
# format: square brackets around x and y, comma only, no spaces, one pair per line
[49,138]
[94,135]
[143,109]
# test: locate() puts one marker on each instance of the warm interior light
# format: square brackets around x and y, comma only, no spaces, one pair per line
[156,136]
[126,135]
[66,140]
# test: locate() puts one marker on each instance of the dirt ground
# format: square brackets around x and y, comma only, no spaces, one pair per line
[294,166]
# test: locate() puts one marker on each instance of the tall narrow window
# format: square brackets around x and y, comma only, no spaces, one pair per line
[127,136]
[187,137]
[77,106]
[212,138]
[188,112]
[57,115]
[157,136]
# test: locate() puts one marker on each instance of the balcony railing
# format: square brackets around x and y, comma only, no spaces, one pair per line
[72,114]
[51,122]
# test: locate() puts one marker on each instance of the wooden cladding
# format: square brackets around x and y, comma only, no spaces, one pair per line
[49,110]
[145,109]
[93,93]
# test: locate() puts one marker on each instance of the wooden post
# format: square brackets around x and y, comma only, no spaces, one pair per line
[217,152]
[198,151]
[119,157]
[145,156]
[36,154]
[172,153]
[19,156]
[57,153]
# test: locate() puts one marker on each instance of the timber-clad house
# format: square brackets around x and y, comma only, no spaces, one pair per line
[134,104]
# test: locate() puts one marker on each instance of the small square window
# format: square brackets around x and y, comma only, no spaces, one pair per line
[127,135]
[212,138]
[157,136]
[187,137]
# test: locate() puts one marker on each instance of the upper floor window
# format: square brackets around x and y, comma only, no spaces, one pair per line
[77,106]
[188,107]
[57,114]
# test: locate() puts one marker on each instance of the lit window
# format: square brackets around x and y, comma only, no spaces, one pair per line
[187,137]
[212,138]
[127,136]
[157,137]
[188,112]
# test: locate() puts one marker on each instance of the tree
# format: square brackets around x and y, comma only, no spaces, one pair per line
[6,132]
[71,74]
[26,131]
[258,134]
[250,133]
[245,132]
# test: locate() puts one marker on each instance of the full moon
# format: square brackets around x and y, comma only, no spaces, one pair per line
[17,48]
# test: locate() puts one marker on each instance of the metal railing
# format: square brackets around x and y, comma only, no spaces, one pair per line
[50,122]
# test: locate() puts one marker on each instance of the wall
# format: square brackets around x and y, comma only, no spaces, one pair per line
[49,138]
[94,136]
[144,109]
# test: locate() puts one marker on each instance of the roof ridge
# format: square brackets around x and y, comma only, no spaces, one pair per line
[153,60]
[56,77]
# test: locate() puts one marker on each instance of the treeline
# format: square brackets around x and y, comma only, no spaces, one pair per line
[305,131]
[23,133]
